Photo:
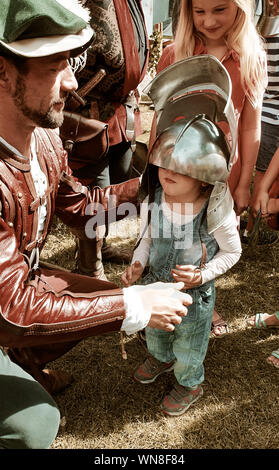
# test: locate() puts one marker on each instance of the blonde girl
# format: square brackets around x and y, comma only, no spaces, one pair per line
[230,27]
[225,29]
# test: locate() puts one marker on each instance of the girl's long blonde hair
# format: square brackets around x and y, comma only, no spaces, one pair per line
[243,38]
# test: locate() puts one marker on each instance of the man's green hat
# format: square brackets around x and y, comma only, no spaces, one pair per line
[38,28]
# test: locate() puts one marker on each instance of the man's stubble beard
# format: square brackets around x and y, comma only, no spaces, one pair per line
[41,119]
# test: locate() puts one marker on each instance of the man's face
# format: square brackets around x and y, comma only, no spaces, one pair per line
[40,92]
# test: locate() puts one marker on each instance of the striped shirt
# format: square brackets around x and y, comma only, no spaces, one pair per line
[270,111]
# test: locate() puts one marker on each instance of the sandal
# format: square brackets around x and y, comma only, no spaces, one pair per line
[215,324]
[276,355]
[259,321]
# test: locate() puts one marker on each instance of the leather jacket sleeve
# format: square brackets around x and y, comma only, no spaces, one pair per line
[80,207]
[54,306]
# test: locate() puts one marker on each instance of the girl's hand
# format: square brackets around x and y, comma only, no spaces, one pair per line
[189,274]
[132,273]
[272,206]
[241,198]
[260,202]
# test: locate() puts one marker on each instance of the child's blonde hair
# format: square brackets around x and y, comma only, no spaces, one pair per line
[243,38]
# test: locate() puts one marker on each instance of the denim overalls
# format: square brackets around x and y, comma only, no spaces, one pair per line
[173,245]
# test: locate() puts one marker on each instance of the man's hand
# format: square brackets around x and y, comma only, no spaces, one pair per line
[167,305]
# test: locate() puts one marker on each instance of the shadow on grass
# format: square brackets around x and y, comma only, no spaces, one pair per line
[106,408]
[239,408]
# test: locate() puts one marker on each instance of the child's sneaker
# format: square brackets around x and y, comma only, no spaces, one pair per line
[151,369]
[180,399]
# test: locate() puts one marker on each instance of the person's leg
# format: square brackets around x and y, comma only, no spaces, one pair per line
[89,251]
[273,359]
[257,181]
[34,359]
[159,344]
[120,169]
[264,320]
[29,417]
[268,146]
[189,347]
[192,337]
[120,162]
[219,326]
[89,258]
[160,356]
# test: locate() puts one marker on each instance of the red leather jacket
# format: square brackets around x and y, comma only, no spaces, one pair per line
[50,306]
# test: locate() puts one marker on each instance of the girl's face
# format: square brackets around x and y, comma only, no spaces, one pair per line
[214,18]
[177,185]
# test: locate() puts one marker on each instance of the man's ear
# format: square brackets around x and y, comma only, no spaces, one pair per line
[5,66]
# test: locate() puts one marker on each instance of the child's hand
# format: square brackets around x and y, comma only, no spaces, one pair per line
[132,273]
[189,274]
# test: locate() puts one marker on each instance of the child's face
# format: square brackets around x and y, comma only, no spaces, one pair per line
[175,184]
[214,18]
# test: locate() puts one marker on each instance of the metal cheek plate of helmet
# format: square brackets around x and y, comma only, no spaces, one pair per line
[267,17]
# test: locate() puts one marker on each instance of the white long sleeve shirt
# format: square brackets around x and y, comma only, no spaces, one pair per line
[226,236]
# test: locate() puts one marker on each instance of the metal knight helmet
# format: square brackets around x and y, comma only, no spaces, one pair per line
[196,127]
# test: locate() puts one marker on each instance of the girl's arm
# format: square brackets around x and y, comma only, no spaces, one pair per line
[261,199]
[271,173]
[250,134]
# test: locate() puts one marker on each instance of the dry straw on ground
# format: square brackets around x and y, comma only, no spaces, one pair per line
[106,409]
